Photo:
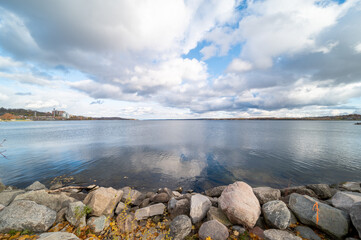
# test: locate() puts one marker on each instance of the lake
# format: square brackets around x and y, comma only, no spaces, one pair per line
[194,154]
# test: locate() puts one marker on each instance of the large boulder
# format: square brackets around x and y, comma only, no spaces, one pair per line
[131,196]
[345,200]
[217,214]
[213,229]
[35,186]
[26,215]
[274,234]
[330,220]
[6,197]
[57,236]
[307,233]
[266,194]
[355,214]
[199,207]
[351,186]
[276,214]
[215,192]
[180,227]
[240,204]
[52,201]
[76,214]
[103,201]
[150,211]
[178,207]
[323,191]
[161,197]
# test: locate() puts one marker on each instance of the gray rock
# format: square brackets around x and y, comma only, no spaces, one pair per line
[293,219]
[180,227]
[26,215]
[160,198]
[216,191]
[179,207]
[331,220]
[176,194]
[345,200]
[35,186]
[60,215]
[131,195]
[57,236]
[355,214]
[323,191]
[351,186]
[1,207]
[103,201]
[213,229]
[56,186]
[52,201]
[266,194]
[261,223]
[121,206]
[199,207]
[98,224]
[239,229]
[213,200]
[152,210]
[240,204]
[274,234]
[144,203]
[76,214]
[276,214]
[217,214]
[6,197]
[126,224]
[300,190]
[307,233]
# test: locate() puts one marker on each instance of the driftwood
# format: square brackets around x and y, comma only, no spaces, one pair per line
[88,188]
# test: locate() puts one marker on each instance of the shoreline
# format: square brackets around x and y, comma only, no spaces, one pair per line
[234,211]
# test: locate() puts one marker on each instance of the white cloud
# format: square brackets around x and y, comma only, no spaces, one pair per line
[3,97]
[238,65]
[44,104]
[7,62]
[358,48]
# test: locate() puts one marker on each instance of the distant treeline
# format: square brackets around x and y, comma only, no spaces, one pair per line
[23,112]
[351,117]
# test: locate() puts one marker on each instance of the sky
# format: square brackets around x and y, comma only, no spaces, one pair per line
[158,59]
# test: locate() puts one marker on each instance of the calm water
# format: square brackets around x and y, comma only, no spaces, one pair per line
[192,154]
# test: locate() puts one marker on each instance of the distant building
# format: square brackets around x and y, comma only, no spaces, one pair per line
[62,114]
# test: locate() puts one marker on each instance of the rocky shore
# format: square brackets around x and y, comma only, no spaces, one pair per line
[236,211]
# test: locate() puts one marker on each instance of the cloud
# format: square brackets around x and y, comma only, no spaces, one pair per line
[44,104]
[23,93]
[99,101]
[237,65]
[358,48]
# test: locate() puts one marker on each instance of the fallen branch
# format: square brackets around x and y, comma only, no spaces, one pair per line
[88,188]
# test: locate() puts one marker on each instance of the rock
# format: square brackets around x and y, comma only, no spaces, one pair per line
[160,198]
[176,194]
[266,194]
[300,190]
[149,194]
[331,220]
[56,186]
[240,204]
[215,192]
[121,206]
[345,200]
[1,207]
[351,186]
[261,222]
[152,210]
[274,234]
[239,229]
[103,201]
[128,224]
[144,203]
[130,195]
[35,186]
[276,214]
[293,219]
[259,232]
[199,207]
[213,229]
[355,214]
[76,214]
[60,215]
[52,201]
[180,207]
[57,236]
[6,197]
[179,189]
[2,187]
[166,190]
[323,191]
[217,214]
[307,233]
[214,201]
[26,215]
[180,227]
[77,196]
[98,224]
